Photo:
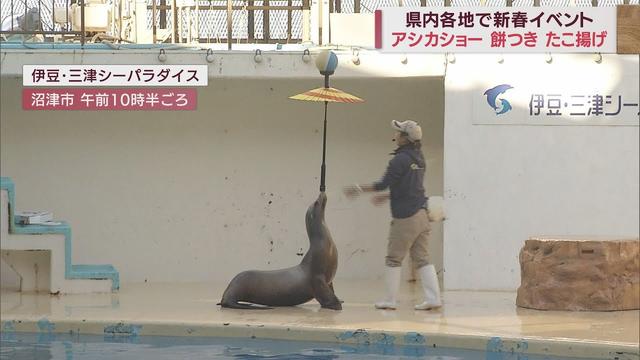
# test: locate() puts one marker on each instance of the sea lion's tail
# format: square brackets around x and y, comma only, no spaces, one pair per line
[237,305]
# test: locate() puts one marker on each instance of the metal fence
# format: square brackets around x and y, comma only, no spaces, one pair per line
[251,21]
[207,21]
[38,17]
[369,6]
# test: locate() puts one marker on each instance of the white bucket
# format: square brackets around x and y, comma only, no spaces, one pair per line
[60,15]
[96,18]
[435,208]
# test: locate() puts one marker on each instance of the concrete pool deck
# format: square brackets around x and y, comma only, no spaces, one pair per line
[471,320]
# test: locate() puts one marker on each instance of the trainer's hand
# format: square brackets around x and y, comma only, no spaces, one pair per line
[351,191]
[379,199]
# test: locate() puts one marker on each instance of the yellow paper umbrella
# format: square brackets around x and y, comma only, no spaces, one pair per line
[328,95]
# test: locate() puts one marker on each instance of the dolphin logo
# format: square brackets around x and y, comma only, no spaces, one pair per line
[492,94]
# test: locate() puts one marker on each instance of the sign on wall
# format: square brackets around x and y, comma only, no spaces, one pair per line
[496,29]
[518,103]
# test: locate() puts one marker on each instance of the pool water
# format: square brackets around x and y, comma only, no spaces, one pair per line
[23,346]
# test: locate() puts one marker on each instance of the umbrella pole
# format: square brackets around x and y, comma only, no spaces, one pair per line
[323,168]
[324,150]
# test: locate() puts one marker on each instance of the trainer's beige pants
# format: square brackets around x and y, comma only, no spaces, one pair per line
[409,234]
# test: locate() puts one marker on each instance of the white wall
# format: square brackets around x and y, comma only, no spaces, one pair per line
[504,183]
[184,196]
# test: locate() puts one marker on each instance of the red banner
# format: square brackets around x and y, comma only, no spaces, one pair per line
[109,99]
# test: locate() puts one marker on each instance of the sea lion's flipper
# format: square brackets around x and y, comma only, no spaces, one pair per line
[331,287]
[324,294]
[237,305]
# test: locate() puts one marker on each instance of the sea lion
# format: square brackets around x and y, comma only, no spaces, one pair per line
[312,278]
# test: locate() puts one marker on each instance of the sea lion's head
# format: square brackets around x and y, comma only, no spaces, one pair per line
[315,212]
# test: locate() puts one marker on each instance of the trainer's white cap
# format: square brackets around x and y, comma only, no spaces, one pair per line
[409,127]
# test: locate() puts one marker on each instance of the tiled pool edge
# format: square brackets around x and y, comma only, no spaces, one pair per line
[370,337]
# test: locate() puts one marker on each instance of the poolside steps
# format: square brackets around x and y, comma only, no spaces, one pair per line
[40,255]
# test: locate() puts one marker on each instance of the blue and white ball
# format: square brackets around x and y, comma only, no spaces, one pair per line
[327,62]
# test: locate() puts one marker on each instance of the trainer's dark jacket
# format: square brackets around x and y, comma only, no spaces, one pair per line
[404,178]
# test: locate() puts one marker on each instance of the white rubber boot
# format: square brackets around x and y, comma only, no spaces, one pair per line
[392,283]
[431,288]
